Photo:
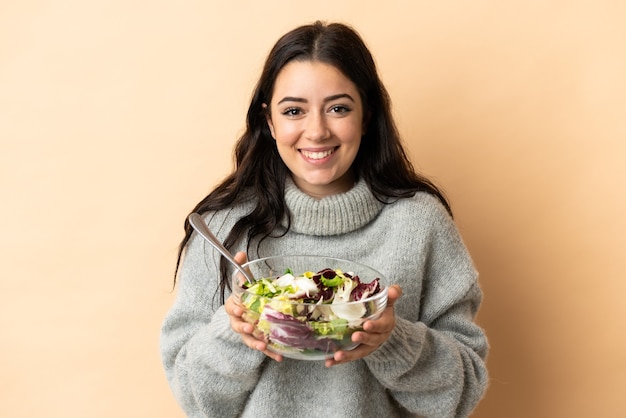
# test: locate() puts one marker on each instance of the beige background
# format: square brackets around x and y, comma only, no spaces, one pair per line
[116,117]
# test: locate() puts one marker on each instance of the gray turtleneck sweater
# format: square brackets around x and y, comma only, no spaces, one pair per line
[432,365]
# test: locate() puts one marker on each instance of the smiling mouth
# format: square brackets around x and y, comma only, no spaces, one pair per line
[317,155]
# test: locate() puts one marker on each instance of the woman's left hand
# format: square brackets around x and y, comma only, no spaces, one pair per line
[375,332]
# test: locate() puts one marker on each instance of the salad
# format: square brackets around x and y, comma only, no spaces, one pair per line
[320,320]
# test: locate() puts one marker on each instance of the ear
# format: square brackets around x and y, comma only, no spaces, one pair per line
[366,122]
[268,118]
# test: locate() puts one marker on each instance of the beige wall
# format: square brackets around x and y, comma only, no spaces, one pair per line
[116,117]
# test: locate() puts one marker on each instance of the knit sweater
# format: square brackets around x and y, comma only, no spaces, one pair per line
[432,365]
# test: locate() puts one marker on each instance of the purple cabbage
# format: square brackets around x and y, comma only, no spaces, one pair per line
[364,290]
[289,331]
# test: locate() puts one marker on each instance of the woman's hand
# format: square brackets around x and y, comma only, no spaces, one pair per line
[239,325]
[375,332]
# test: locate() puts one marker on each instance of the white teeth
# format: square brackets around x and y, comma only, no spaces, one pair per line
[317,155]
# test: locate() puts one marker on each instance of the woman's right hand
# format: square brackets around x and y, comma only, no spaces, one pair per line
[239,325]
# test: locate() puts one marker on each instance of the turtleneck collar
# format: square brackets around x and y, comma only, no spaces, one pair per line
[332,215]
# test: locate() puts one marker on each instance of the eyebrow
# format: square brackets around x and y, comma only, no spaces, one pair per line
[327,99]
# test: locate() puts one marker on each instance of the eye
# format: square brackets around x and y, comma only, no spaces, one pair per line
[292,111]
[339,109]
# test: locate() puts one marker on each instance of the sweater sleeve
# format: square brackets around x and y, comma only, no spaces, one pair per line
[435,366]
[210,371]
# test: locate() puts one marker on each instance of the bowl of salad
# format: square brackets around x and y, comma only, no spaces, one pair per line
[308,307]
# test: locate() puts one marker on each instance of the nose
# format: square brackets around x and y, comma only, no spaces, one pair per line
[316,127]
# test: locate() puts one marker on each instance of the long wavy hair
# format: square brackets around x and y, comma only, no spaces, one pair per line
[260,173]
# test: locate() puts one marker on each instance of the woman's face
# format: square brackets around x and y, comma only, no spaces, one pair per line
[316,118]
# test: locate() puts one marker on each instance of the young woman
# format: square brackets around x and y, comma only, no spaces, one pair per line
[321,170]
